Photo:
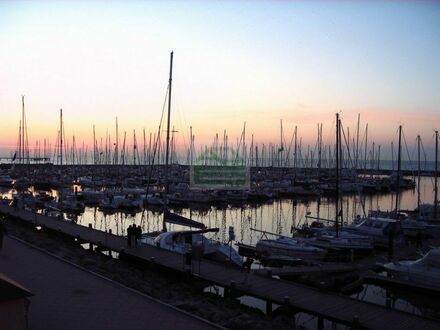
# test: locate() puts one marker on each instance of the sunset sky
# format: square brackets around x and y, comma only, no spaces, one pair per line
[235,61]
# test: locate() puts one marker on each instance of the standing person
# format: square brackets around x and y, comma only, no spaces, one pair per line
[247,267]
[419,239]
[134,235]
[3,232]
[129,234]
[249,262]
[138,233]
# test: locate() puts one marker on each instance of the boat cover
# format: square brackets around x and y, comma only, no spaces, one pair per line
[179,220]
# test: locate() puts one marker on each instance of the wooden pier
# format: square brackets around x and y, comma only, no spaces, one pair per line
[306,270]
[373,278]
[324,305]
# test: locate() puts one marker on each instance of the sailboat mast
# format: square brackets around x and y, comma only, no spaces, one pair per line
[145,151]
[167,154]
[61,136]
[244,145]
[357,144]
[116,155]
[319,149]
[73,150]
[337,175]
[392,156]
[123,149]
[191,146]
[19,143]
[22,129]
[418,173]
[399,160]
[94,146]
[365,149]
[280,153]
[134,147]
[436,176]
[295,160]
[167,151]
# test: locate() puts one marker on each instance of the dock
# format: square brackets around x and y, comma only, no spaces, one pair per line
[306,270]
[373,278]
[300,298]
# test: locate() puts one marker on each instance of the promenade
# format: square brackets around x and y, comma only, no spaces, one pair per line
[68,297]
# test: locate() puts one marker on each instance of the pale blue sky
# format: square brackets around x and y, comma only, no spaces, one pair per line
[253,61]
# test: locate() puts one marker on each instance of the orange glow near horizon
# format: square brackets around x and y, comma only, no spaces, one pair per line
[382,129]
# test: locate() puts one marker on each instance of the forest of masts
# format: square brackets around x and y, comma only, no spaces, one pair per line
[128,149]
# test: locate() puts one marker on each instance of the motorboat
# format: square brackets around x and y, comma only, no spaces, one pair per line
[398,181]
[377,228]
[301,191]
[115,202]
[71,204]
[85,181]
[410,225]
[92,196]
[426,212]
[43,196]
[189,197]
[413,227]
[319,235]
[155,199]
[343,241]
[260,194]
[291,247]
[6,181]
[236,196]
[425,271]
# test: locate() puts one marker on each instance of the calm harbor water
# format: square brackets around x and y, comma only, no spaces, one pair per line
[278,216]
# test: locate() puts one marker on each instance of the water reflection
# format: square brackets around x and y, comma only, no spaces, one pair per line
[278,216]
[404,300]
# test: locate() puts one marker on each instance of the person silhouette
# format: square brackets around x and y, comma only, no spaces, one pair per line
[129,234]
[3,232]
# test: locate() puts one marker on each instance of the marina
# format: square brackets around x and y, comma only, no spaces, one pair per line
[219,165]
[141,214]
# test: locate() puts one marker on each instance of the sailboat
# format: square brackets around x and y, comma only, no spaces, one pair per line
[186,241]
[423,220]
[379,225]
[324,239]
[430,212]
[335,238]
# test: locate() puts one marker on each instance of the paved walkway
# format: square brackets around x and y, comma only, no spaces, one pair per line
[67,297]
